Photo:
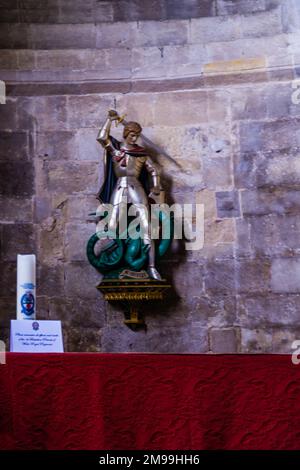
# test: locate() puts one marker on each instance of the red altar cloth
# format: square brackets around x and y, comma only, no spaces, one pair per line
[148,401]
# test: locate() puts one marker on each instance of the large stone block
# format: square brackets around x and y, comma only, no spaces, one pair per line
[290,16]
[282,171]
[273,135]
[81,280]
[56,145]
[8,312]
[76,238]
[208,199]
[224,341]
[162,9]
[272,163]
[25,59]
[283,338]
[217,310]
[113,63]
[280,102]
[135,11]
[250,137]
[42,307]
[16,209]
[258,340]
[180,276]
[189,9]
[51,241]
[81,11]
[223,28]
[14,145]
[79,314]
[138,108]
[219,235]
[266,23]
[233,66]
[233,7]
[80,64]
[14,38]
[11,4]
[247,48]
[285,275]
[268,310]
[243,246]
[168,61]
[88,111]
[87,147]
[246,167]
[275,235]
[214,252]
[219,109]
[188,173]
[249,103]
[50,113]
[41,208]
[27,119]
[278,201]
[217,173]
[64,36]
[17,179]
[220,277]
[218,232]
[9,15]
[167,33]
[8,115]
[17,238]
[8,59]
[72,177]
[50,280]
[40,11]
[253,275]
[142,34]
[64,59]
[167,339]
[114,35]
[103,12]
[83,340]
[78,207]
[193,103]
[228,204]
[8,278]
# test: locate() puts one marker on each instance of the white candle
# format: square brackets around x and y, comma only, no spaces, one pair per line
[26,299]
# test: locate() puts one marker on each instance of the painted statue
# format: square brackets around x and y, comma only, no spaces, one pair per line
[131,178]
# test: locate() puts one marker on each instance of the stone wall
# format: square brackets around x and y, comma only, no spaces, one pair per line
[212,83]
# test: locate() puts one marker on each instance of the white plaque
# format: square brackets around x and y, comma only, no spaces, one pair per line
[40,336]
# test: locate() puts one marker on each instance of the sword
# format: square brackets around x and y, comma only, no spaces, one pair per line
[145,140]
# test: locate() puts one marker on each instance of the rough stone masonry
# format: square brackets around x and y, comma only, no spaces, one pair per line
[212,83]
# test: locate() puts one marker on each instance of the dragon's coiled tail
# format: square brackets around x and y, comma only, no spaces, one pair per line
[110,257]
[132,253]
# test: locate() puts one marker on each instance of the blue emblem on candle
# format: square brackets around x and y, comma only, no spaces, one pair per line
[27,303]
[28,285]
[35,325]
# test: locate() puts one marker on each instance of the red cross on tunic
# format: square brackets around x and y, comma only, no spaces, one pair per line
[121,158]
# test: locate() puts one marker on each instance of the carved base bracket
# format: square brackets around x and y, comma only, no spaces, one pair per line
[133,293]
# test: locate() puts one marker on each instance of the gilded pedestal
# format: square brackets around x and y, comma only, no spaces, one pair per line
[133,293]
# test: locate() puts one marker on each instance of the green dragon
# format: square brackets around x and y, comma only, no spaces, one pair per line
[120,253]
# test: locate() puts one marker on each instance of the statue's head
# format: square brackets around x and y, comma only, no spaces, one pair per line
[133,127]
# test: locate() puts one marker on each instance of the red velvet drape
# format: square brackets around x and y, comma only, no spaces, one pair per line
[148,401]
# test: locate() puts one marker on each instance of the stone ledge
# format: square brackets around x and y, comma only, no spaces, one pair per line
[69,87]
